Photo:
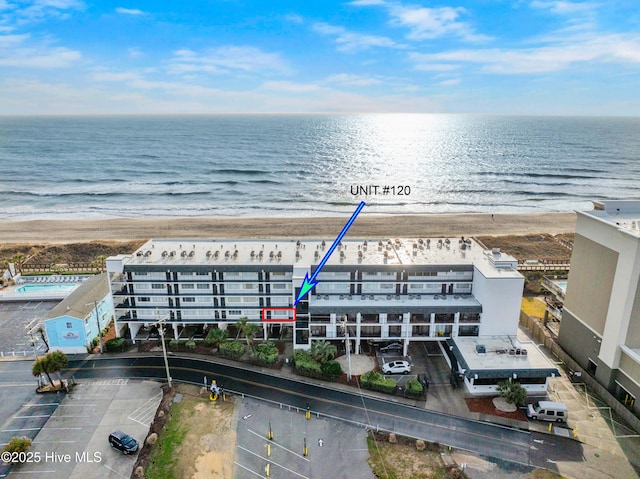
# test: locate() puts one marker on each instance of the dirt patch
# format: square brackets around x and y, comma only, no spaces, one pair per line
[200,437]
[402,459]
[532,247]
[484,405]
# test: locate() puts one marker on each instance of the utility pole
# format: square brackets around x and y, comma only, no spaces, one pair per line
[347,343]
[164,348]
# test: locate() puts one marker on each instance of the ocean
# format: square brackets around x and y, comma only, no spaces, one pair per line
[321,165]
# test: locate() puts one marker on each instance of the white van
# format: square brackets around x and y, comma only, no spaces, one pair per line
[548,411]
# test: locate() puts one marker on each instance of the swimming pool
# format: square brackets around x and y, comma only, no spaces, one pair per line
[44,288]
[561,284]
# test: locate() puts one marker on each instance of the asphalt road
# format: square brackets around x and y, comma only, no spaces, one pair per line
[486,439]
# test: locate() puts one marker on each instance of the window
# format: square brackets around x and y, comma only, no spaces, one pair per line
[144,299]
[157,286]
[69,325]
[235,312]
[189,300]
[204,300]
[280,286]
[187,286]
[202,286]
[416,286]
[250,286]
[387,286]
[234,300]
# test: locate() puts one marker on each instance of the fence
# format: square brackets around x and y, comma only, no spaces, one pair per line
[544,266]
[57,268]
[541,336]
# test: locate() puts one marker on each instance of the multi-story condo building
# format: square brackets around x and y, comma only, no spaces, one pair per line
[401,289]
[422,289]
[600,325]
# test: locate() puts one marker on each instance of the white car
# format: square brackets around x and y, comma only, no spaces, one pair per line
[396,367]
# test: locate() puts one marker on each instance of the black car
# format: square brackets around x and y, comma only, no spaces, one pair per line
[123,442]
[393,347]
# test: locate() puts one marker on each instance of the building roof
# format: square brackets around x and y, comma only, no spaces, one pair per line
[352,253]
[495,356]
[622,214]
[80,303]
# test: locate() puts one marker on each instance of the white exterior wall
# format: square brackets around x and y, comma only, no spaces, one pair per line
[501,299]
[625,282]
[492,390]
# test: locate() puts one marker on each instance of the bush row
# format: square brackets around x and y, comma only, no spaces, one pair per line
[305,365]
[375,381]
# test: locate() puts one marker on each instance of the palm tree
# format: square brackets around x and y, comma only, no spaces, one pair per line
[323,351]
[248,330]
[49,364]
[18,260]
[99,262]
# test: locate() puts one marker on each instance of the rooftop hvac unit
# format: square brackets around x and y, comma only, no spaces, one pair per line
[208,254]
[481,349]
[342,255]
[139,253]
[523,352]
[227,254]
[279,254]
[192,254]
[360,255]
[147,253]
[172,254]
[252,254]
[216,254]
[271,254]
[260,254]
[183,254]
[495,250]
[165,254]
[316,255]
[420,241]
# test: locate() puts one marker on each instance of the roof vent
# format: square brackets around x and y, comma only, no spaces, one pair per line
[481,349]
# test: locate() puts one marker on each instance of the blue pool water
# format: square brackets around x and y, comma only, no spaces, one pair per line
[562,284]
[43,288]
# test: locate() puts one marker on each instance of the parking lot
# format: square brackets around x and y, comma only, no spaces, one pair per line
[14,318]
[74,441]
[334,449]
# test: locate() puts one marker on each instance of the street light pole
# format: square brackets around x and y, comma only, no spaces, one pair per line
[164,348]
[347,343]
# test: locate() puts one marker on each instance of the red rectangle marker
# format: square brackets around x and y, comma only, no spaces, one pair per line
[276,320]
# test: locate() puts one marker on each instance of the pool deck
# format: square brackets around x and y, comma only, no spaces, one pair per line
[12,293]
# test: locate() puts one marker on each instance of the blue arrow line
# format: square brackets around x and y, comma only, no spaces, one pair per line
[309,283]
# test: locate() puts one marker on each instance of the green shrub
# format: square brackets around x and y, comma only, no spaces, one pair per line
[512,392]
[377,382]
[215,336]
[414,387]
[232,349]
[17,444]
[190,345]
[331,370]
[305,364]
[174,344]
[115,345]
[266,353]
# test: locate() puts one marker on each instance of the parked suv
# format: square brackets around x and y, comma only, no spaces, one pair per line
[396,367]
[123,442]
[393,347]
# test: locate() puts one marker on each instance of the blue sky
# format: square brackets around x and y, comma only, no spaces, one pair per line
[482,56]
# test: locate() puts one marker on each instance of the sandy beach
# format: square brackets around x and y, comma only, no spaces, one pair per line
[365,226]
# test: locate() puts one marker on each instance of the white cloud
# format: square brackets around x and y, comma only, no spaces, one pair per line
[134,52]
[107,76]
[17,51]
[366,3]
[226,59]
[290,87]
[563,7]
[40,9]
[427,23]
[614,48]
[451,82]
[350,42]
[129,11]
[352,80]
[294,18]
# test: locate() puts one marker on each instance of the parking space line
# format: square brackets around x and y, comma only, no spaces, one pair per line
[282,447]
[118,473]
[43,404]
[272,462]
[247,469]
[146,411]
[22,429]
[27,417]
[31,472]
